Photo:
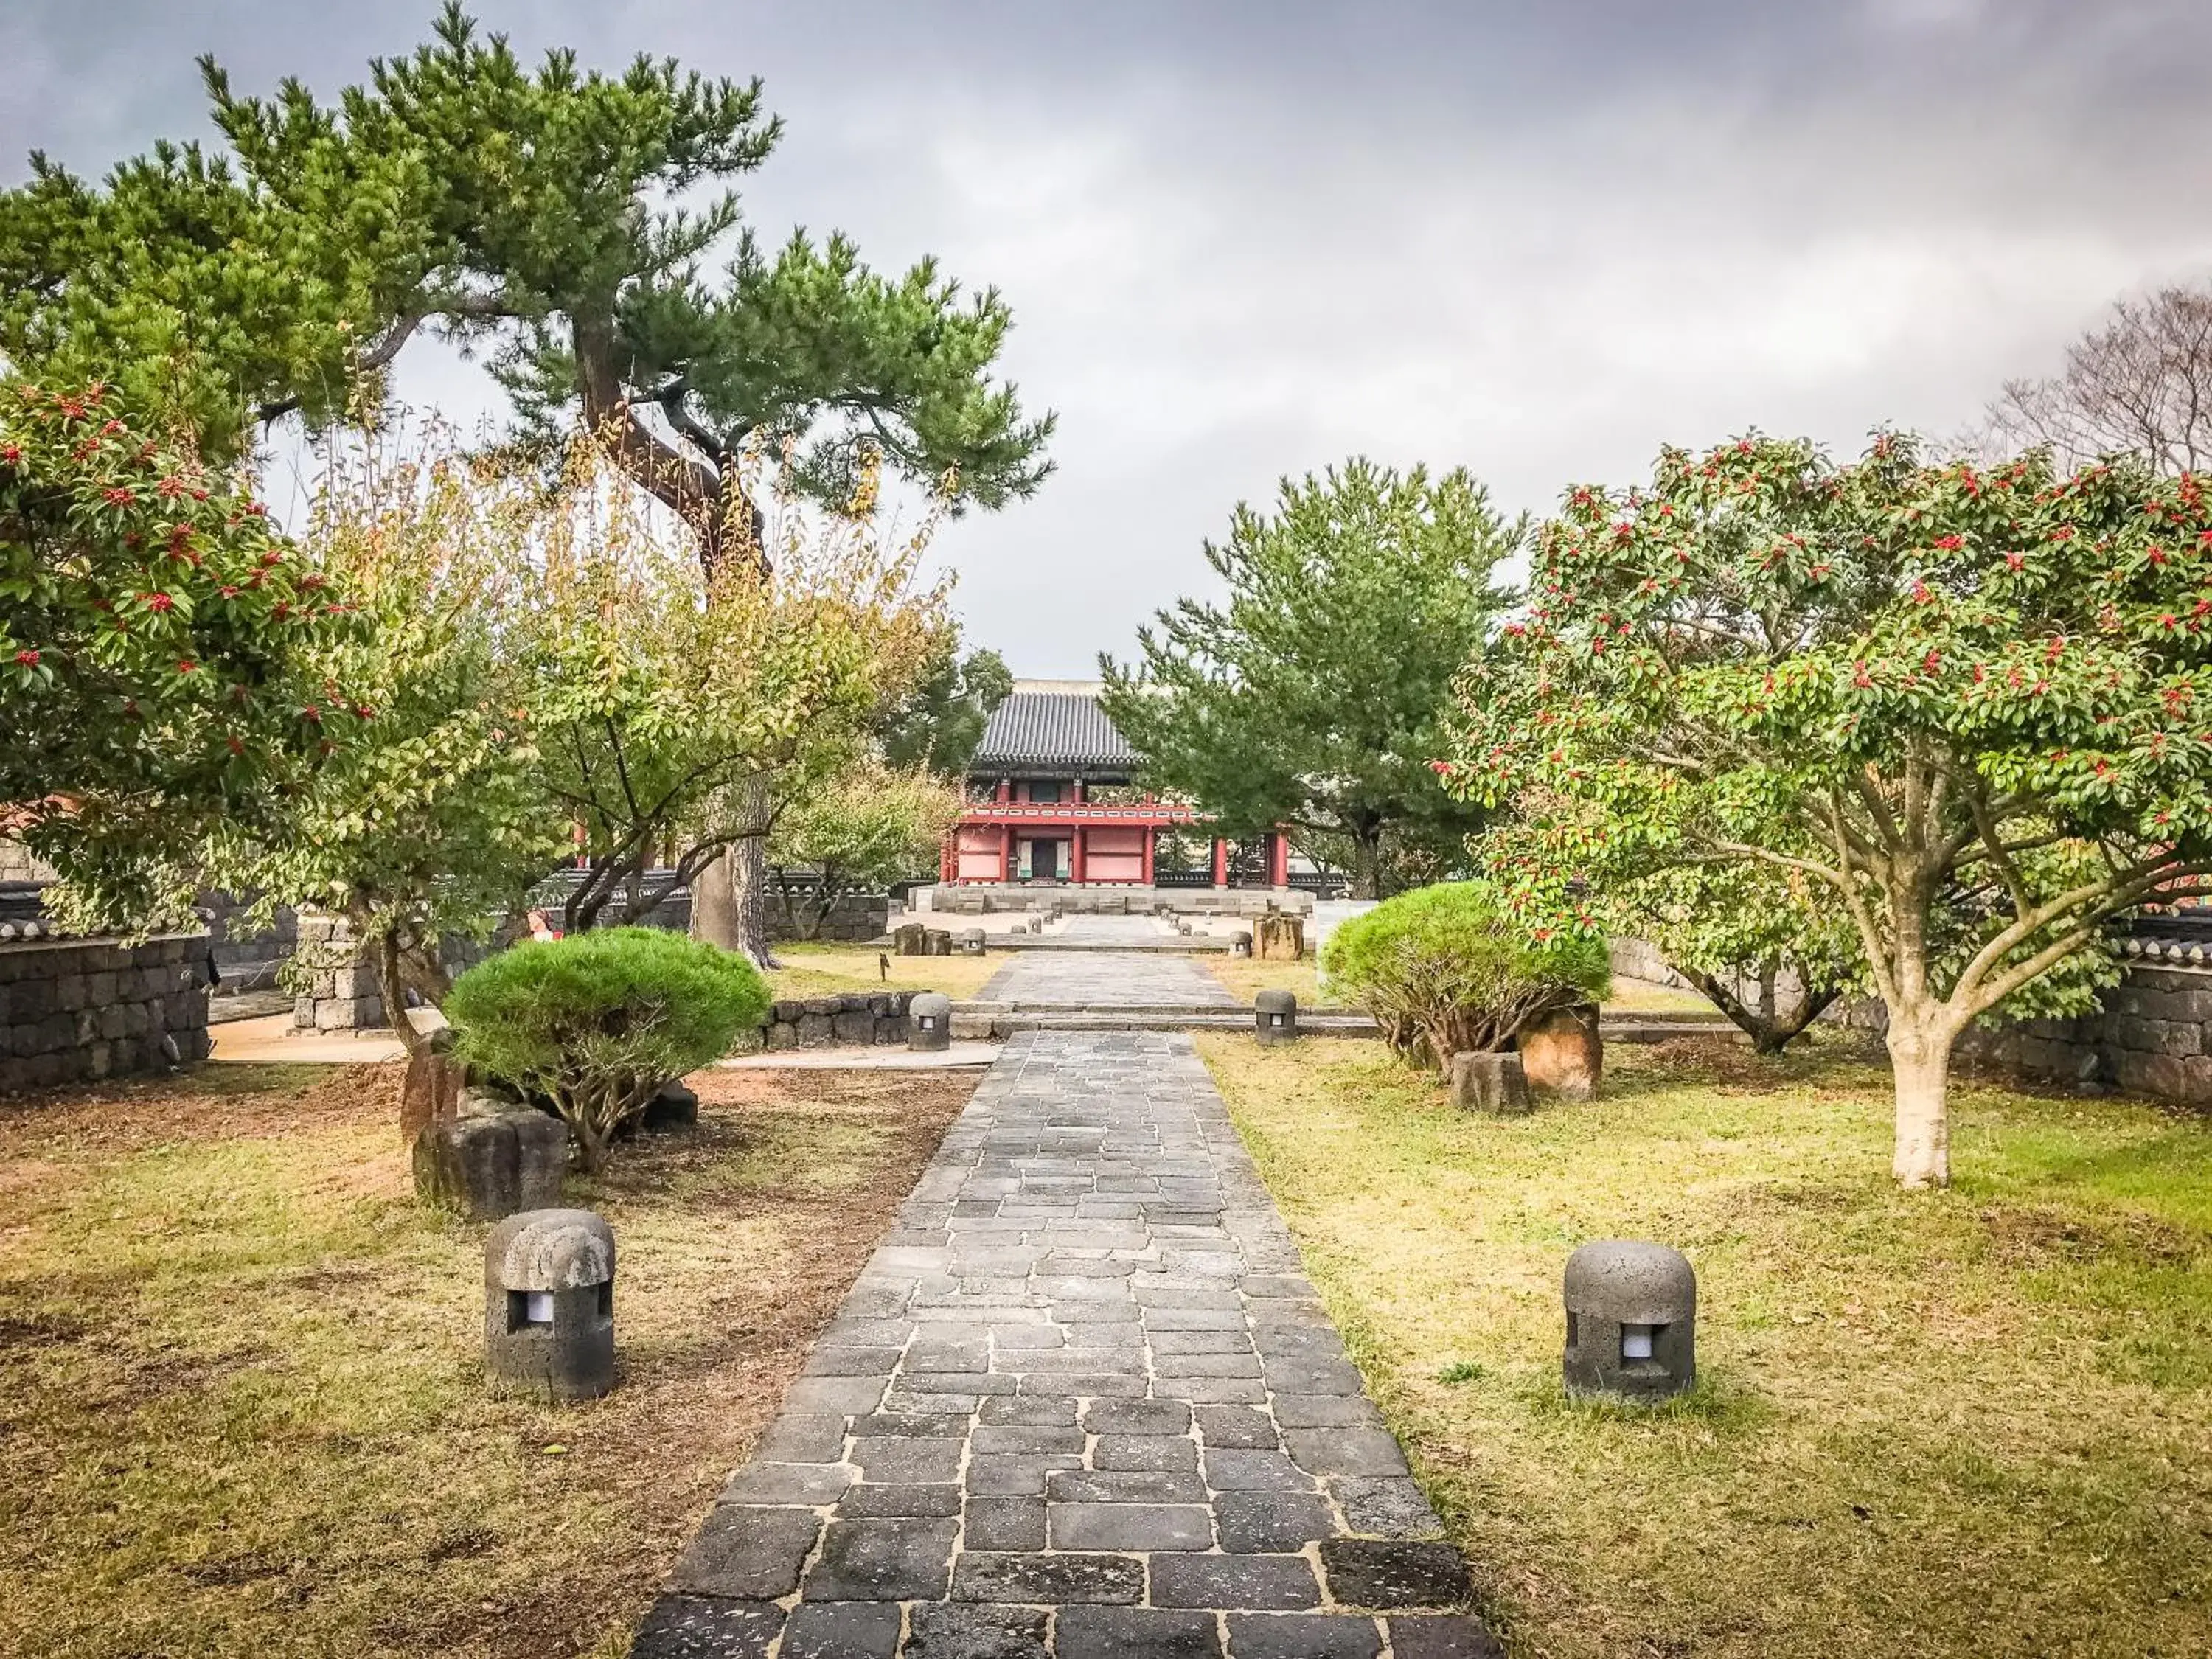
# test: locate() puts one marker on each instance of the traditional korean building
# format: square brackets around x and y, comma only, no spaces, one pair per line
[1052,798]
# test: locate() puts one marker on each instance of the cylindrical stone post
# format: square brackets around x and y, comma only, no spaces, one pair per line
[1275,1016]
[1632,1321]
[929,1022]
[549,1305]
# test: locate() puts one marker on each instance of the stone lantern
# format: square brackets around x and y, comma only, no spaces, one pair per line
[1275,1016]
[1240,942]
[929,1022]
[1632,1321]
[972,942]
[549,1305]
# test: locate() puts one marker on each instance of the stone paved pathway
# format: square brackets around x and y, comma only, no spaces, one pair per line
[1080,1403]
[1106,979]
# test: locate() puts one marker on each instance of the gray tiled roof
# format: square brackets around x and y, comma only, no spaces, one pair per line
[1033,729]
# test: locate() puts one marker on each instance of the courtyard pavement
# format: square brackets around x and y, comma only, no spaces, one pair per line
[1105,978]
[1081,1402]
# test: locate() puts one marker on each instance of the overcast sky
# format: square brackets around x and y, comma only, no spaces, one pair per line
[1246,239]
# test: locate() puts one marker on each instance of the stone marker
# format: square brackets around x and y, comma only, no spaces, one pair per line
[929,1022]
[432,1090]
[675,1108]
[972,942]
[910,938]
[1563,1053]
[1279,936]
[1275,1016]
[1492,1083]
[549,1305]
[1632,1321]
[493,1164]
[1240,943]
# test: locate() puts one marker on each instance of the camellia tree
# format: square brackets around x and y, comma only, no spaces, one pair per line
[1968,705]
[1765,944]
[157,650]
[1315,699]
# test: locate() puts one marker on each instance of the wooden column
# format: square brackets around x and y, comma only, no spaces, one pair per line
[1075,872]
[1006,790]
[1151,840]
[1279,860]
[1220,862]
[1006,853]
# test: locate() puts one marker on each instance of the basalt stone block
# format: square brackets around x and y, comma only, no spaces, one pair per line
[949,1630]
[1490,1082]
[900,1560]
[1091,1633]
[941,942]
[1392,1573]
[1059,1580]
[1303,1636]
[911,940]
[845,1630]
[854,1026]
[784,1034]
[1284,1583]
[676,1108]
[747,1551]
[816,1031]
[491,1167]
[698,1627]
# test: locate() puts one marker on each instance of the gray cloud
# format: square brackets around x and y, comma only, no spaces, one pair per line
[1246,239]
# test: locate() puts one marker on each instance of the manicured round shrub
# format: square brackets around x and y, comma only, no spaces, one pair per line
[600,1023]
[1447,970]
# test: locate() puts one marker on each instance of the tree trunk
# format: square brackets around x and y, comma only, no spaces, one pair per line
[1367,865]
[1920,1057]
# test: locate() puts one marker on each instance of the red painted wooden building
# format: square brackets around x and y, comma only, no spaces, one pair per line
[1051,798]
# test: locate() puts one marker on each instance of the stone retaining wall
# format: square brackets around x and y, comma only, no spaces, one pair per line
[854,1017]
[977,899]
[2152,1037]
[79,1009]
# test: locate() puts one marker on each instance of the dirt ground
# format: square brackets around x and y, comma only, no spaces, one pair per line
[240,1398]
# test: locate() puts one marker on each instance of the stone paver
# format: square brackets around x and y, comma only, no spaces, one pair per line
[1106,979]
[1080,1402]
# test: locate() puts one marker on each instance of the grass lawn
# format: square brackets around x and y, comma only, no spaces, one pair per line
[1244,975]
[1976,1422]
[240,1399]
[821,970]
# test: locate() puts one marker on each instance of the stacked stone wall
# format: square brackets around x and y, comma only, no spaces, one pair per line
[877,1018]
[74,1011]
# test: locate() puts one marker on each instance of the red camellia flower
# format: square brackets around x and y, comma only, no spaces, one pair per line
[362,711]
[119,496]
[29,659]
[12,453]
[1949,543]
[187,666]
[312,712]
[158,601]
[237,747]
[229,592]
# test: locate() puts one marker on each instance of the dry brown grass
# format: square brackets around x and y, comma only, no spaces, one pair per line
[817,970]
[1976,1422]
[240,1410]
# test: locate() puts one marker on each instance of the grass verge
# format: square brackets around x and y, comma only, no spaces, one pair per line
[1976,1421]
[241,1399]
[821,970]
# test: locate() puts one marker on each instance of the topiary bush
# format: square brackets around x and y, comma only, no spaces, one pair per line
[1447,970]
[600,1023]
